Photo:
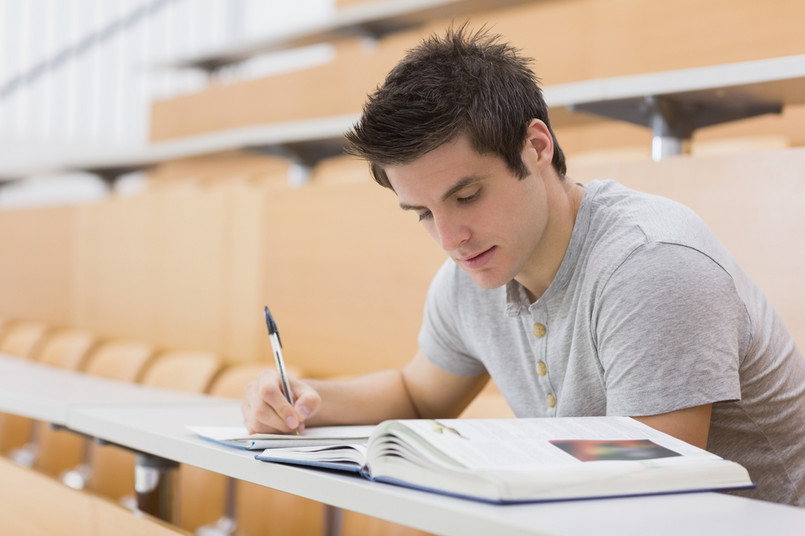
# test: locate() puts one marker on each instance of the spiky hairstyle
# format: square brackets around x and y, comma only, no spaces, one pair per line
[464,82]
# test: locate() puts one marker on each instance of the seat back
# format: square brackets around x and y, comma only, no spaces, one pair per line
[109,466]
[193,372]
[257,509]
[182,370]
[21,337]
[66,348]
[232,380]
[190,371]
[120,359]
[58,450]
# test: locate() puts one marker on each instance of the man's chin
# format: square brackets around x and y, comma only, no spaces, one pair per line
[487,280]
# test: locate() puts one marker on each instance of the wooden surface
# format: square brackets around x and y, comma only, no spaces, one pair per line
[33,504]
[569,40]
[343,269]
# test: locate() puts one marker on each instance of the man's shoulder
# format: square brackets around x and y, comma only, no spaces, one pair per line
[626,217]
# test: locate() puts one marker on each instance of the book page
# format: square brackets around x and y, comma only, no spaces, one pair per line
[343,457]
[514,444]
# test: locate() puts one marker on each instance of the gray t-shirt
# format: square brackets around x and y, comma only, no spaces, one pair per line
[647,314]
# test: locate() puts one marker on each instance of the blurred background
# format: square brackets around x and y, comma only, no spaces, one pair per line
[169,166]
[80,75]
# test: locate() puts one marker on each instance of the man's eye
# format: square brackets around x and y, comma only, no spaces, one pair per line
[424,215]
[469,198]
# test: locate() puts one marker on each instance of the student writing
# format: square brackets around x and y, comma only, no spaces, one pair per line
[575,300]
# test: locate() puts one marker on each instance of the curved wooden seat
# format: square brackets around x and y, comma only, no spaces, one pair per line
[182,370]
[254,509]
[20,338]
[118,359]
[66,348]
[50,450]
[112,468]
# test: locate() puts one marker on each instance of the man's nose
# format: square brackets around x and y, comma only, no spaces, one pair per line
[451,232]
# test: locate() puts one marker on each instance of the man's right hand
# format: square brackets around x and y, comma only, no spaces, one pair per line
[266,410]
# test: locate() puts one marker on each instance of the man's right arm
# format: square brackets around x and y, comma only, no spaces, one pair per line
[419,390]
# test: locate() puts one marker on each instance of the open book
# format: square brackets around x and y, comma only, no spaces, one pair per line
[522,460]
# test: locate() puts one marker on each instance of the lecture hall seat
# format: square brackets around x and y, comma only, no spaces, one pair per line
[181,370]
[111,468]
[117,359]
[244,508]
[20,338]
[65,348]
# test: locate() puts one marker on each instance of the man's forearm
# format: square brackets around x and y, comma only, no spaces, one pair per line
[363,400]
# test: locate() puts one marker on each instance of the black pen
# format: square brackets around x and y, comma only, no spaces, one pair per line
[276,345]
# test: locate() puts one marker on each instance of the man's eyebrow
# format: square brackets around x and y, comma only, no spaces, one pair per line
[457,187]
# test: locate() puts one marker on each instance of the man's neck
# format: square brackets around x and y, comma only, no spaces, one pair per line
[550,253]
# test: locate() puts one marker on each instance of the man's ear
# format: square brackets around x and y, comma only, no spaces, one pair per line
[538,138]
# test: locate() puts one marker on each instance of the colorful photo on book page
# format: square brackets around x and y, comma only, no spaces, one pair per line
[597,450]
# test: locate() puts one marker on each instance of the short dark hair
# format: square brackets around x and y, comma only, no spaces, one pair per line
[463,83]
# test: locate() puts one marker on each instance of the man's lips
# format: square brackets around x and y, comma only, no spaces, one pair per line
[479,260]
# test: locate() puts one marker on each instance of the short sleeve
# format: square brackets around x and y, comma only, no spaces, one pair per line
[440,338]
[670,329]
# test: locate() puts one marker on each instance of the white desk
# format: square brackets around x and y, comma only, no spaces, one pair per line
[304,142]
[153,421]
[676,103]
[49,394]
[161,431]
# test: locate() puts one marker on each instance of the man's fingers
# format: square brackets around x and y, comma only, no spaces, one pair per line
[266,410]
[307,400]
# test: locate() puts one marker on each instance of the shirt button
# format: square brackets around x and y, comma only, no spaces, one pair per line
[551,401]
[538,330]
[542,368]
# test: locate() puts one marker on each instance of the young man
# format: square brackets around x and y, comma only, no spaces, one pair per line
[593,300]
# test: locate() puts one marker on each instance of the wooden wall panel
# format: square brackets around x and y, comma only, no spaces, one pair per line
[178,267]
[190,253]
[580,39]
[36,248]
[115,269]
[753,202]
[245,337]
[346,272]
